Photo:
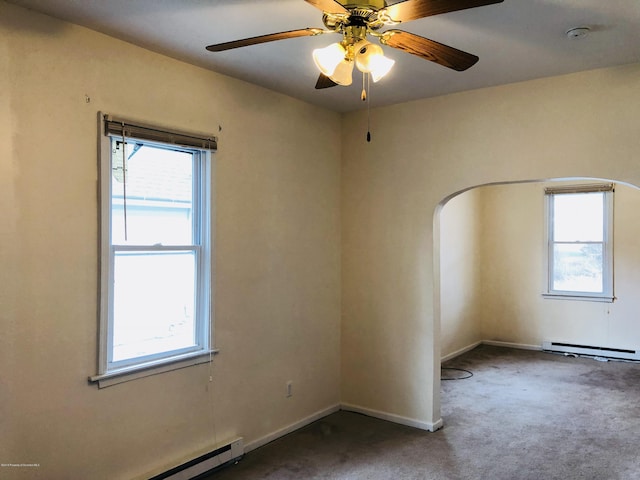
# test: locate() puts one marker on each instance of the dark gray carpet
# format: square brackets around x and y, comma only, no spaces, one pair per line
[523,415]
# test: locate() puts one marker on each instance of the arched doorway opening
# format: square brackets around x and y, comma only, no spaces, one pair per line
[489,246]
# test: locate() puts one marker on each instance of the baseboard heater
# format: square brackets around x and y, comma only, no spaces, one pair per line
[619,353]
[204,464]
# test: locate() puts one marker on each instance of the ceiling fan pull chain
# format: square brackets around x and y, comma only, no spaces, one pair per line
[369,108]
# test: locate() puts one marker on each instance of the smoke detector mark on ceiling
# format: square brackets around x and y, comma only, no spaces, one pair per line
[578,32]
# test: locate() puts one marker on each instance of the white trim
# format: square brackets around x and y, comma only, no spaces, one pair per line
[104,266]
[152,368]
[210,176]
[111,372]
[290,428]
[459,352]
[431,427]
[493,343]
[410,422]
[390,417]
[584,298]
[521,346]
[608,212]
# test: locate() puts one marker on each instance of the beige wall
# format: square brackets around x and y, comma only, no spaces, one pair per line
[461,281]
[277,292]
[513,257]
[289,187]
[492,257]
[584,124]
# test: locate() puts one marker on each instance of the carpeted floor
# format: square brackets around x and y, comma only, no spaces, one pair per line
[522,415]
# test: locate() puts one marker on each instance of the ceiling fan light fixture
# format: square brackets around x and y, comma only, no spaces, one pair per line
[365,53]
[343,74]
[356,20]
[370,59]
[328,58]
[380,67]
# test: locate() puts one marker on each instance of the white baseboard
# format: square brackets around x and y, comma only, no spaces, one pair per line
[493,343]
[460,352]
[432,427]
[411,422]
[521,346]
[290,428]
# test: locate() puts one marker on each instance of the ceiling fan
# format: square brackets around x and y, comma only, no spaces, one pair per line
[357,19]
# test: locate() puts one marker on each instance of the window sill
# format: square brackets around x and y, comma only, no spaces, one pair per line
[583,298]
[152,368]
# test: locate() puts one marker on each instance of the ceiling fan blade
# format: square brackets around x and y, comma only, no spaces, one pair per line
[305,32]
[324,82]
[429,50]
[414,9]
[328,6]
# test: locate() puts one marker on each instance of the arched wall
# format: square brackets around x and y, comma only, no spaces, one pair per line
[491,259]
[579,125]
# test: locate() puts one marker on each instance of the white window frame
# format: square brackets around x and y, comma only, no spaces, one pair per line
[113,372]
[607,273]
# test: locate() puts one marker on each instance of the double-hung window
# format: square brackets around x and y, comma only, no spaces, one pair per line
[579,242]
[155,265]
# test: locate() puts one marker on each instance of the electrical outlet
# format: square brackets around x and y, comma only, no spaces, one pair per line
[289,389]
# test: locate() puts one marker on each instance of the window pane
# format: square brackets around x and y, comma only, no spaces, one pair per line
[577,268]
[159,192]
[578,217]
[154,303]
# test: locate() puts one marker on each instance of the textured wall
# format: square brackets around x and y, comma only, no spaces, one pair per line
[513,274]
[279,257]
[584,124]
[277,290]
[460,243]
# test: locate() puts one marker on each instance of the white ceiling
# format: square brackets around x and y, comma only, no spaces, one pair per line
[516,40]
